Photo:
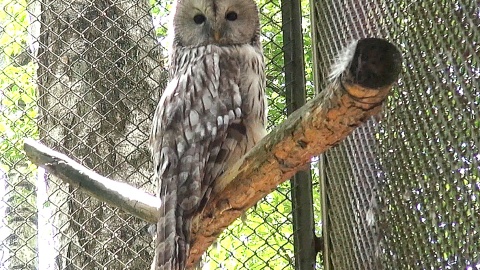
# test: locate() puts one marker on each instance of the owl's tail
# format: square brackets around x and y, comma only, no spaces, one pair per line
[172,242]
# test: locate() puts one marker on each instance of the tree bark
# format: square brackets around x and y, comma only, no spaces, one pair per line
[98,84]
[17,200]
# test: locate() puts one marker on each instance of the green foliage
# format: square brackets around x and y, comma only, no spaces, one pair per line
[17,87]
[17,121]
[263,241]
[161,14]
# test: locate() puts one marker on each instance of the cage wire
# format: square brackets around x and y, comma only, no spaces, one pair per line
[402,191]
[84,77]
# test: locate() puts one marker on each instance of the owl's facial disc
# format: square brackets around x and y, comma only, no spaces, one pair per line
[225,22]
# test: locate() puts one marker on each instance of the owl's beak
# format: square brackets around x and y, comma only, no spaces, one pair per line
[217,35]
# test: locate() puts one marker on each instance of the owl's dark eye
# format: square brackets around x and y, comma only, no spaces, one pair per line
[231,16]
[199,19]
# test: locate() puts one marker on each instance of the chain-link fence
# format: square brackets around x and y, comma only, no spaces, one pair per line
[84,77]
[402,192]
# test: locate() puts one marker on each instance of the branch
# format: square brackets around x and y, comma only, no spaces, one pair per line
[124,196]
[361,80]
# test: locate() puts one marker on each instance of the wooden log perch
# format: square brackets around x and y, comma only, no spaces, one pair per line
[360,81]
[124,196]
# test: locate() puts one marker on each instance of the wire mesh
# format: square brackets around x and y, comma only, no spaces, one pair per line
[402,191]
[84,77]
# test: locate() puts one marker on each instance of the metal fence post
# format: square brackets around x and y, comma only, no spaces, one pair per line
[295,94]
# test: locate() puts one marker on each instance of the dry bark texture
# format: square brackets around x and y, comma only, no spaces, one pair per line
[362,79]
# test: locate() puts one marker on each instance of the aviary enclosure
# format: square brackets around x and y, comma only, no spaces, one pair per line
[400,192]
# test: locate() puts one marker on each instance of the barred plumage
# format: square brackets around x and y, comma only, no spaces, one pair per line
[211,113]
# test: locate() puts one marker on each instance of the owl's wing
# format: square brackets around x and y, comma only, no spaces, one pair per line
[190,143]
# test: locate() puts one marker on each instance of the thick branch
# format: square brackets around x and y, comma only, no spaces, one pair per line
[361,81]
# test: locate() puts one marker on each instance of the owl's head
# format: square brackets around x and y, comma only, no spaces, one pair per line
[222,22]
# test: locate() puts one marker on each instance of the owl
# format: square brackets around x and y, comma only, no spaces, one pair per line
[211,113]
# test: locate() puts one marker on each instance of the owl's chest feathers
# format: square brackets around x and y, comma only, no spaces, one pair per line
[225,72]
